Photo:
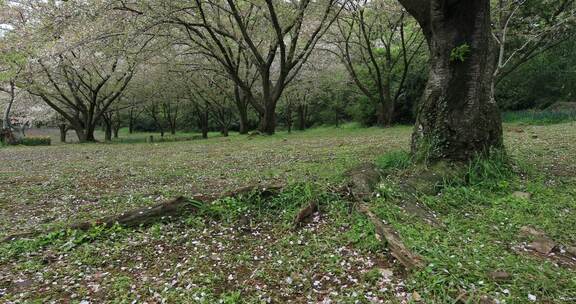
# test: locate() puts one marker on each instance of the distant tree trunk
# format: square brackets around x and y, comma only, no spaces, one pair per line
[6,122]
[457,119]
[289,118]
[242,105]
[116,129]
[302,113]
[107,130]
[204,123]
[385,112]
[225,131]
[85,134]
[63,130]
[131,119]
[268,123]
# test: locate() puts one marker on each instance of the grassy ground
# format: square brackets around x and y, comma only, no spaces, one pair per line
[245,250]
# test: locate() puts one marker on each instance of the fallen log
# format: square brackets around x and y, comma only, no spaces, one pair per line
[164,211]
[362,182]
[177,207]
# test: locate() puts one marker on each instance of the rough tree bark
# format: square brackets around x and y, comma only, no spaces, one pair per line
[456,118]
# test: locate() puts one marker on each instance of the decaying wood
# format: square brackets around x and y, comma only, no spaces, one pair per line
[362,182]
[164,211]
[177,207]
[305,213]
[393,241]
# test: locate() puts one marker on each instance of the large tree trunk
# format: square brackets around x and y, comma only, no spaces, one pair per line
[268,123]
[83,132]
[85,135]
[385,110]
[457,119]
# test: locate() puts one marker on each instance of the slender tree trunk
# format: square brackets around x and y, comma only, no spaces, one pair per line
[289,119]
[381,115]
[242,105]
[131,125]
[173,125]
[6,122]
[225,131]
[457,118]
[107,130]
[116,129]
[63,131]
[301,117]
[204,124]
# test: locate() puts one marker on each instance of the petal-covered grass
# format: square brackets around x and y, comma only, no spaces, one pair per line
[246,251]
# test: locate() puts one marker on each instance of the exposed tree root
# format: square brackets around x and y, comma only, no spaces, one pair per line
[177,207]
[169,210]
[386,232]
[543,247]
[362,182]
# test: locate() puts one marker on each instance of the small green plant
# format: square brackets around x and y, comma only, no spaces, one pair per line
[372,276]
[36,141]
[492,171]
[460,52]
[231,297]
[396,160]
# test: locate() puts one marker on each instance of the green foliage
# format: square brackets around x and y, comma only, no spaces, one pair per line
[11,63]
[539,117]
[460,52]
[35,141]
[543,81]
[396,160]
